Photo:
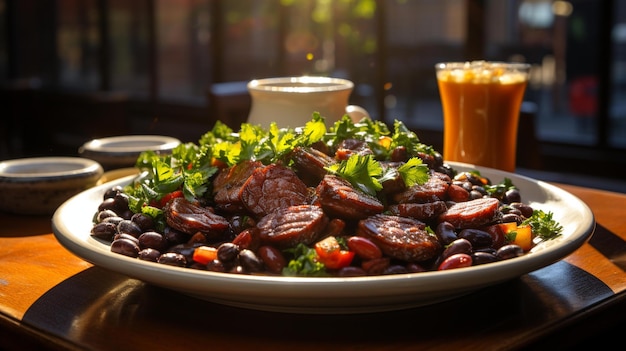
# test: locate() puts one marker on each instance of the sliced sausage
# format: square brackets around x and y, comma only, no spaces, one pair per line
[349,147]
[189,218]
[290,226]
[227,186]
[310,164]
[425,212]
[272,187]
[472,214]
[393,184]
[402,238]
[433,190]
[339,199]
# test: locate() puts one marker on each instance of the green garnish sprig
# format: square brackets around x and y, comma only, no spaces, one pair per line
[304,263]
[499,190]
[372,132]
[543,225]
[255,143]
[367,174]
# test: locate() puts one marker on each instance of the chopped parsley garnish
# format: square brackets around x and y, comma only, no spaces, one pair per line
[414,172]
[304,263]
[361,171]
[543,225]
[402,136]
[499,190]
[367,175]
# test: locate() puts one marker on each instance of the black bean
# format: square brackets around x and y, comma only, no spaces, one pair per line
[149,255]
[509,251]
[175,237]
[524,209]
[186,250]
[512,195]
[104,214]
[478,238]
[475,195]
[250,261]
[216,266]
[509,209]
[395,269]
[104,230]
[113,219]
[125,247]
[121,200]
[129,227]
[351,271]
[489,250]
[512,217]
[480,189]
[152,240]
[126,236]
[457,246]
[238,223]
[108,204]
[227,252]
[144,221]
[110,193]
[479,258]
[474,179]
[413,267]
[172,259]
[445,233]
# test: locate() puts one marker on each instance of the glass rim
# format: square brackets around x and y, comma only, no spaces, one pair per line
[482,64]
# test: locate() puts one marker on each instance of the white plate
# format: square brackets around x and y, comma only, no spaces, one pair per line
[122,151]
[72,223]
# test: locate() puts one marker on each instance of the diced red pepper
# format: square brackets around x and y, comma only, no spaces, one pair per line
[204,254]
[330,254]
[165,199]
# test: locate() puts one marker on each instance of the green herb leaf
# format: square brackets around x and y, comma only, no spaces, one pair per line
[362,171]
[499,190]
[414,172]
[402,136]
[304,263]
[314,130]
[543,225]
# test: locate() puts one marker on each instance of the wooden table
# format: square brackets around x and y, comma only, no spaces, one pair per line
[51,299]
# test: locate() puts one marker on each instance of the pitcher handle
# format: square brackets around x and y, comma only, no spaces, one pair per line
[356,112]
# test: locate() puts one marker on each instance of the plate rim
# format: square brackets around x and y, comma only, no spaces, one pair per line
[300,292]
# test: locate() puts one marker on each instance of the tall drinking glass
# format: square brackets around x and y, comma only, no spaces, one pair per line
[481,105]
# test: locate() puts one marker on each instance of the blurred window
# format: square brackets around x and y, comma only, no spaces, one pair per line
[173,50]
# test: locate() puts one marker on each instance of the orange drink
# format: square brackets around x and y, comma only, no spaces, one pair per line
[481,105]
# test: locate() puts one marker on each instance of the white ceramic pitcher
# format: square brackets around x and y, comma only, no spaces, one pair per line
[291,101]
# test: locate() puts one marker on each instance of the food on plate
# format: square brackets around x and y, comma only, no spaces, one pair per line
[351,199]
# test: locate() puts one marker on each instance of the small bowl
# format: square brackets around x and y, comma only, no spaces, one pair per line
[38,185]
[123,151]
